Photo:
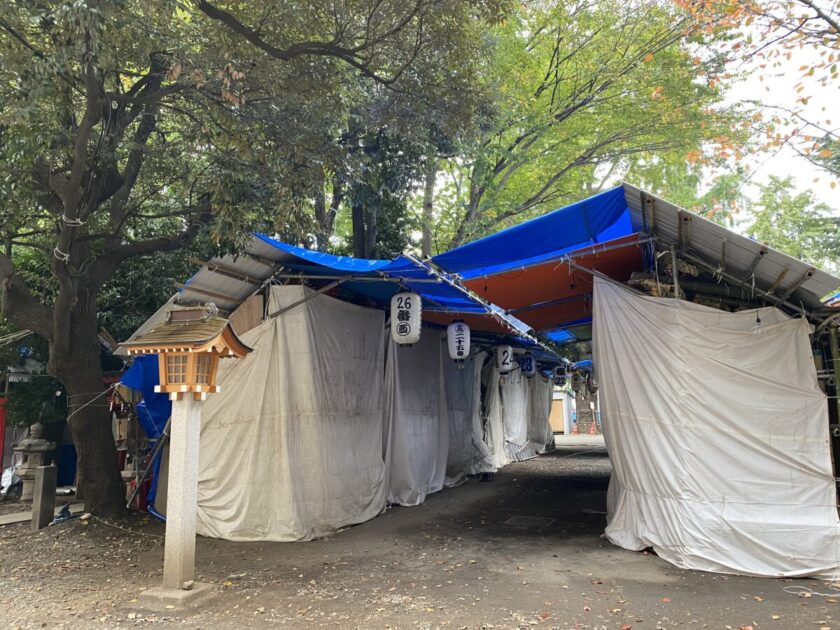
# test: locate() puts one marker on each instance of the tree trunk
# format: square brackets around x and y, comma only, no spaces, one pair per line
[370,232]
[75,362]
[428,199]
[359,240]
[469,216]
[320,207]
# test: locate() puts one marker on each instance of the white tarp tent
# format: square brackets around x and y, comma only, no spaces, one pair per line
[317,429]
[291,449]
[718,435]
[416,420]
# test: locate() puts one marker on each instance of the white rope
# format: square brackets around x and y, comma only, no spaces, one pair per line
[62,256]
[804,591]
[125,529]
[72,222]
[91,401]
[15,336]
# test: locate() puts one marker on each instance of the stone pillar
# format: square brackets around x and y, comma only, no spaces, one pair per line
[182,493]
[43,503]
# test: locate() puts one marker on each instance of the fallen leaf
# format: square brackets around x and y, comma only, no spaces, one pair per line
[758,598]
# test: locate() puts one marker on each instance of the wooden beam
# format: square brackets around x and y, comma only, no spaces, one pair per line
[306,298]
[778,281]
[799,282]
[684,240]
[758,258]
[649,207]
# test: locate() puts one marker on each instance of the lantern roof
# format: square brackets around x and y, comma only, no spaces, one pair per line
[190,329]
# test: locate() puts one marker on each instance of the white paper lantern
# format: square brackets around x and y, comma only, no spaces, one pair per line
[406,311]
[560,376]
[458,340]
[504,359]
[528,364]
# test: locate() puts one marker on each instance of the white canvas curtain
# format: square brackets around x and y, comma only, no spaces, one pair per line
[416,419]
[514,398]
[291,449]
[463,401]
[540,394]
[526,404]
[718,436]
[494,422]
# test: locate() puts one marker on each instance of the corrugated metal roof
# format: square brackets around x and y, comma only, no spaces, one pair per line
[738,256]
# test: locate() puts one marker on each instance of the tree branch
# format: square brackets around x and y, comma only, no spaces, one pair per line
[19,305]
[350,55]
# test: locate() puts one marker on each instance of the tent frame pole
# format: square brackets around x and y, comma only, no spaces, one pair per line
[285,309]
[774,299]
[296,276]
[500,317]
[578,253]
[676,265]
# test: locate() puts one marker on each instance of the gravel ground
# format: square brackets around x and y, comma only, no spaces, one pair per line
[522,551]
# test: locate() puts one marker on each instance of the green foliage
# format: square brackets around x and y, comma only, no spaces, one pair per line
[36,401]
[585,94]
[796,224]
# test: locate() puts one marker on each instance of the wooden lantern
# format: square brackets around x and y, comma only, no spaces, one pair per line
[189,345]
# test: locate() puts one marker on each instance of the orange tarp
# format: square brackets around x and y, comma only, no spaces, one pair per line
[550,295]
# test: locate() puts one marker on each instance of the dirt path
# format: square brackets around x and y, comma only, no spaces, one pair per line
[523,551]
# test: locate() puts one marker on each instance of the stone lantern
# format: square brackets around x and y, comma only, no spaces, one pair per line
[33,449]
[189,345]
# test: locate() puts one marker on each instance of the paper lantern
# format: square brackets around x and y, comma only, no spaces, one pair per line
[528,364]
[504,359]
[406,311]
[560,376]
[458,340]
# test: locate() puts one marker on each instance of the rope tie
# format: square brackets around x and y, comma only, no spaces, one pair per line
[91,401]
[72,222]
[62,256]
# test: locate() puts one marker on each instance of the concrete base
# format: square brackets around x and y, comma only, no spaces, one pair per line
[161,599]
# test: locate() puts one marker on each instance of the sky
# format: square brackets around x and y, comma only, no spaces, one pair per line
[777,89]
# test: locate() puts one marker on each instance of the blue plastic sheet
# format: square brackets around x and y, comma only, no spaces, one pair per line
[598,219]
[315,261]
[153,411]
[155,408]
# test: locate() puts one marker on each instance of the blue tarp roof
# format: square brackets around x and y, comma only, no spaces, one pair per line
[436,295]
[315,261]
[598,219]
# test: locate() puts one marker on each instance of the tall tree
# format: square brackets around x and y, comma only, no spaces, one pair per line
[129,128]
[585,92]
[796,224]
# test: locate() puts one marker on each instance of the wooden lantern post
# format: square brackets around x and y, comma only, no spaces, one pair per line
[189,345]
